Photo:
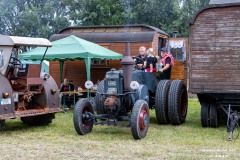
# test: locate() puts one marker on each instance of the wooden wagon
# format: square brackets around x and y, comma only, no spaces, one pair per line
[215,59]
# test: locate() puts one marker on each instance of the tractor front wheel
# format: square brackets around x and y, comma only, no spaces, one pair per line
[140,119]
[82,116]
[2,123]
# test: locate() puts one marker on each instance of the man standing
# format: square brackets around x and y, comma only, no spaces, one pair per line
[168,62]
[141,59]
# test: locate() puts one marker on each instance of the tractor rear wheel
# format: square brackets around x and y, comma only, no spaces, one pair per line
[213,115]
[177,102]
[82,116]
[205,106]
[99,100]
[40,120]
[140,119]
[161,101]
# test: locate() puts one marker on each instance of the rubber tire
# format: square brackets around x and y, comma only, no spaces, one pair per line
[40,120]
[80,107]
[135,128]
[161,101]
[177,102]
[205,106]
[213,115]
[98,99]
[2,124]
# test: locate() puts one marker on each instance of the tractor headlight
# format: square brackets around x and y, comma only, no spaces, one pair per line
[53,91]
[5,95]
[46,76]
[134,85]
[88,84]
[112,90]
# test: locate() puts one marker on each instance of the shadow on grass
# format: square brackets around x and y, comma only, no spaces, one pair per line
[15,125]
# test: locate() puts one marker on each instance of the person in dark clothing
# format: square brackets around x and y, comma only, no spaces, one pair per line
[151,61]
[141,58]
[168,62]
[67,99]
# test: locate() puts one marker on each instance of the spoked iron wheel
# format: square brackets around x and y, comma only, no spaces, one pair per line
[140,119]
[82,116]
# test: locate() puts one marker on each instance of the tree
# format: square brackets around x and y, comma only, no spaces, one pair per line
[32,17]
[188,10]
[42,18]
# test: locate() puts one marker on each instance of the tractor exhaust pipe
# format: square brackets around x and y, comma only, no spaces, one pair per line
[127,66]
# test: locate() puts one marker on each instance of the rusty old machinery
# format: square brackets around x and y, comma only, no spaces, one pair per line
[25,91]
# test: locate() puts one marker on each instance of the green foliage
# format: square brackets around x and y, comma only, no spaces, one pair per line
[33,18]
[42,18]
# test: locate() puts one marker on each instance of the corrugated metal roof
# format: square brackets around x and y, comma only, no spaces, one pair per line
[24,41]
[104,37]
[223,1]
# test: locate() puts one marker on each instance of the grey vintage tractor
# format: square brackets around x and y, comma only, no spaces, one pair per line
[127,95]
[25,91]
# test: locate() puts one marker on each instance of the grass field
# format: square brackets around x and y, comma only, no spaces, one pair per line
[60,141]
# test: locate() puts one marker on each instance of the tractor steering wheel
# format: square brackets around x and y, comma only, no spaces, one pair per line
[137,64]
[14,64]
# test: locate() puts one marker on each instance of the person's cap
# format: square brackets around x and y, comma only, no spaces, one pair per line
[164,49]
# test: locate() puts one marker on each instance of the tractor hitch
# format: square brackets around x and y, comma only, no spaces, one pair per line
[232,124]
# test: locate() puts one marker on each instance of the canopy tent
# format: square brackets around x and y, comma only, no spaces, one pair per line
[71,48]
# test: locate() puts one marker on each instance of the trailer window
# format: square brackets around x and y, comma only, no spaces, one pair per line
[178,49]
[98,63]
[177,53]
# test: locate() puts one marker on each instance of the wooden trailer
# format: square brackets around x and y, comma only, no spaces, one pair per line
[114,38]
[214,59]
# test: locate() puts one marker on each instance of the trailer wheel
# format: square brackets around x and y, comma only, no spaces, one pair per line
[161,101]
[2,124]
[82,120]
[213,115]
[205,113]
[99,99]
[40,120]
[140,119]
[177,102]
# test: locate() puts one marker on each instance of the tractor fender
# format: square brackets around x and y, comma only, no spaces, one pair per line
[142,93]
[6,104]
[48,99]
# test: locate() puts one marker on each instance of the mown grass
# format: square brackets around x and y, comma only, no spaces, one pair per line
[60,141]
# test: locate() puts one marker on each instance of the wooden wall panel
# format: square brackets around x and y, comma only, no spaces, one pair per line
[215,50]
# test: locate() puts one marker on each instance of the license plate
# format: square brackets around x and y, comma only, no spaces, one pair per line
[6,101]
[112,83]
